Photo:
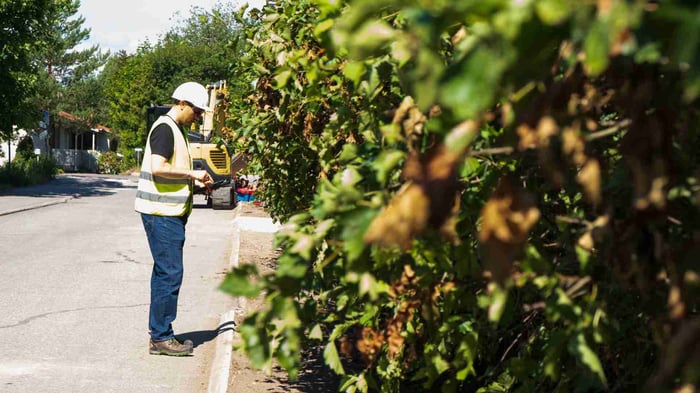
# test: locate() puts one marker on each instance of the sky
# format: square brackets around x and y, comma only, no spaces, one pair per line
[124,24]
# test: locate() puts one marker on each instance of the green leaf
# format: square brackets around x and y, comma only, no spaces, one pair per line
[370,38]
[426,77]
[282,78]
[392,132]
[348,154]
[255,344]
[366,283]
[649,53]
[386,162]
[356,224]
[466,354]
[597,46]
[290,268]
[552,357]
[349,177]
[470,167]
[461,136]
[332,359]
[579,348]
[328,6]
[440,364]
[553,11]
[237,283]
[323,27]
[583,256]
[472,84]
[499,298]
[354,70]
[401,50]
[303,246]
[316,333]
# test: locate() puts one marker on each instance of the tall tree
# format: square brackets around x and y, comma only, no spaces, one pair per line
[67,72]
[21,26]
[129,88]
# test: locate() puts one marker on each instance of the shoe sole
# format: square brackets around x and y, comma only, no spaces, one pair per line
[152,352]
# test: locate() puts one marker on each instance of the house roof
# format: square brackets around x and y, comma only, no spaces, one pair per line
[70,116]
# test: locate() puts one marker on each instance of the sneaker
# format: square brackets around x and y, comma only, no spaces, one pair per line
[170,347]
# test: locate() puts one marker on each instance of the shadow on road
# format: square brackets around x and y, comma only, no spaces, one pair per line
[82,185]
[200,337]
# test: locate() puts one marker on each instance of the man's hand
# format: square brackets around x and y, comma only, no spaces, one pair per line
[202,178]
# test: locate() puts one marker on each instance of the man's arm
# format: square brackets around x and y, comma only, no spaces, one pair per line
[161,167]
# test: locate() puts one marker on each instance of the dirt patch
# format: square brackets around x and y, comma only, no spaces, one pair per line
[257,248]
[252,209]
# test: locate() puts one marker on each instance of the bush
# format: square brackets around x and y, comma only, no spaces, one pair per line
[27,170]
[109,163]
[25,146]
[478,196]
[128,161]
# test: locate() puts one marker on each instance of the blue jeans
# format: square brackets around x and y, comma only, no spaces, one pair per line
[166,238]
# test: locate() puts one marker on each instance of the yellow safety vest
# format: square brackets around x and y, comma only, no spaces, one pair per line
[161,196]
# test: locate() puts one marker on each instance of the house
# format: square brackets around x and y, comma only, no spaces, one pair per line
[74,143]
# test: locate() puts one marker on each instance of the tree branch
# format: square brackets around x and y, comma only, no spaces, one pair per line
[488,152]
[608,131]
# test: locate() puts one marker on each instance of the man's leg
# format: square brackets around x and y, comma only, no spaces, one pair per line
[166,238]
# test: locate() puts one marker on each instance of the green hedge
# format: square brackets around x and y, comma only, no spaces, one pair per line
[27,169]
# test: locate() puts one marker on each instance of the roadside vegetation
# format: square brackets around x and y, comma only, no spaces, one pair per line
[479,196]
[27,169]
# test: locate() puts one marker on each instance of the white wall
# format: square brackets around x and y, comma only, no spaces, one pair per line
[12,148]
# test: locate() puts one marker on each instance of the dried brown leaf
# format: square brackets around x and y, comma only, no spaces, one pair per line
[346,347]
[394,339]
[589,178]
[404,217]
[506,220]
[573,145]
[595,232]
[425,201]
[546,129]
[369,344]
[528,137]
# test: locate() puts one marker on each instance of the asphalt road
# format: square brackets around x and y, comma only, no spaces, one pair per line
[74,292]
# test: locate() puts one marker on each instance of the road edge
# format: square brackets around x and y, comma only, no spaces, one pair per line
[36,206]
[221,365]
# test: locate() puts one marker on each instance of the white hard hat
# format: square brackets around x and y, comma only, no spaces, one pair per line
[194,93]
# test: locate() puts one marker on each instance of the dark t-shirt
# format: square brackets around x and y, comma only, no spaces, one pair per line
[162,142]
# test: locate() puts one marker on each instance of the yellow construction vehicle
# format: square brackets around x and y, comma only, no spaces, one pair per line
[215,158]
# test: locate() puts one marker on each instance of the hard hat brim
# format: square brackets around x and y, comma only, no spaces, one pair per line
[205,108]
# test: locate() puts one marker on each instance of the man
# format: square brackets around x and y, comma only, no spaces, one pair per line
[164,199]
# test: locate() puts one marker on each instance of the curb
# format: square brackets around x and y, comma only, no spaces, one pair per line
[37,206]
[221,365]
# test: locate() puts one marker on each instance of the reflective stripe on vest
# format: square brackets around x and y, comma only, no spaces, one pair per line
[162,180]
[162,196]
